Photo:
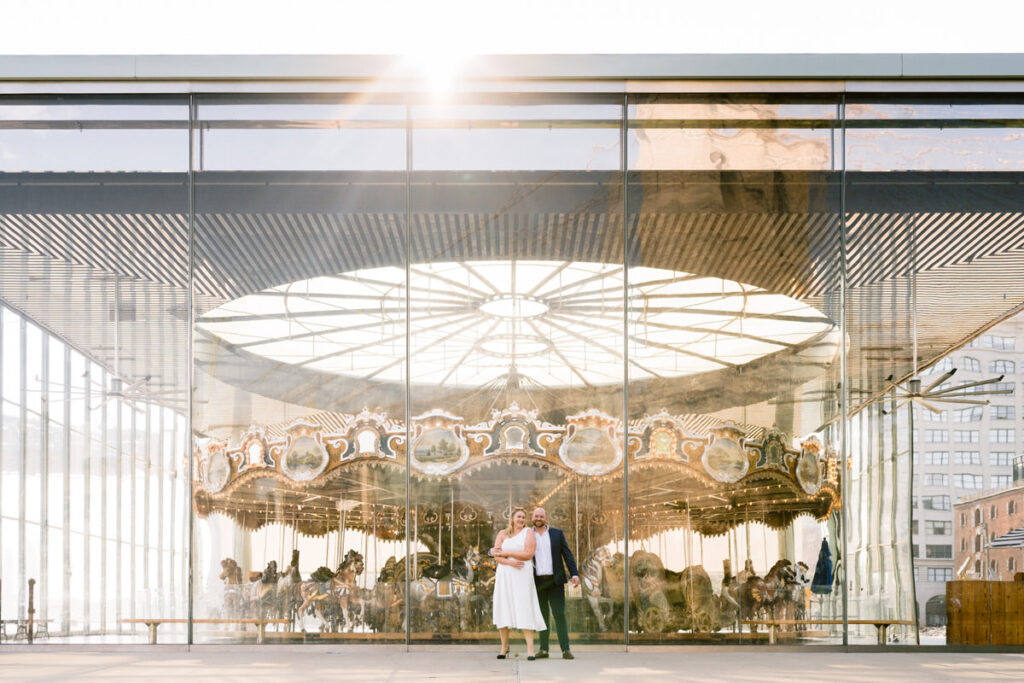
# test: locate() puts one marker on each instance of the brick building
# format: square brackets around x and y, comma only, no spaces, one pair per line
[980,519]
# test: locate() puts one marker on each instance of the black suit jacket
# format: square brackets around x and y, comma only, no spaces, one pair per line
[561,557]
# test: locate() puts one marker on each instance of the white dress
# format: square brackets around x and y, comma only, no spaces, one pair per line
[515,593]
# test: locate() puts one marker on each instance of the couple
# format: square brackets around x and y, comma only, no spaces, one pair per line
[531,580]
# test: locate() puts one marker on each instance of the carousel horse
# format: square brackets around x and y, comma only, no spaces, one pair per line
[231,575]
[792,598]
[757,594]
[262,593]
[289,594]
[592,575]
[350,597]
[335,591]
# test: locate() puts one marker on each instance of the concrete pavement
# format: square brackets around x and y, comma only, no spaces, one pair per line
[394,665]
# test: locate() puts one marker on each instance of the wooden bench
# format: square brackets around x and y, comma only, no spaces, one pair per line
[153,624]
[773,625]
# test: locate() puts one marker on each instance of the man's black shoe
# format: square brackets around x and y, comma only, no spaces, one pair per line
[567,655]
[542,654]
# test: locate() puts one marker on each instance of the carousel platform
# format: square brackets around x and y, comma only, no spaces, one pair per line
[474,663]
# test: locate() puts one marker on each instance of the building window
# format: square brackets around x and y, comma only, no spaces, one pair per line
[1008,387]
[939,528]
[1011,507]
[966,436]
[992,567]
[1000,481]
[968,481]
[977,543]
[963,519]
[972,414]
[940,574]
[1002,436]
[936,436]
[939,458]
[967,457]
[992,512]
[963,545]
[913,550]
[935,502]
[977,568]
[913,527]
[936,480]
[944,365]
[1011,564]
[1000,458]
[939,552]
[977,517]
[968,364]
[997,342]
[1002,366]
[1001,412]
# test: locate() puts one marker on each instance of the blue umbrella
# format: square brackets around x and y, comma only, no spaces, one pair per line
[822,582]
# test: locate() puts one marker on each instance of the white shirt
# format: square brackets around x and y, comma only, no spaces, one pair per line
[542,556]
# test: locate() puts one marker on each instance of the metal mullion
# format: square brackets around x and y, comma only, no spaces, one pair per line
[190,369]
[44,477]
[22,458]
[87,505]
[133,503]
[2,353]
[408,367]
[66,540]
[160,496]
[843,371]
[624,167]
[147,495]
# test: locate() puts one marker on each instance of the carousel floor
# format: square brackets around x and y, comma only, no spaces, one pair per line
[463,664]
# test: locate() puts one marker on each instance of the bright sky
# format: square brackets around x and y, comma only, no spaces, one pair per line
[522,26]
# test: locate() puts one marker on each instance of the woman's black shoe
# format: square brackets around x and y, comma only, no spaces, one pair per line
[531,658]
[503,655]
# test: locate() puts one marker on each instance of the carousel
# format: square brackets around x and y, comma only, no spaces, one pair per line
[498,383]
[332,473]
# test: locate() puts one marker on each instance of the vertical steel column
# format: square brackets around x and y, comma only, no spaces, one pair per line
[133,498]
[189,544]
[87,500]
[408,364]
[843,446]
[66,490]
[147,494]
[44,476]
[22,462]
[3,350]
[119,500]
[624,166]
[162,473]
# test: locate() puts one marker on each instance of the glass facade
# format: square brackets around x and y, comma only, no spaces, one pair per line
[387,320]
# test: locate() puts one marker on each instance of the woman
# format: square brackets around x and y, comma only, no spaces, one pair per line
[515,594]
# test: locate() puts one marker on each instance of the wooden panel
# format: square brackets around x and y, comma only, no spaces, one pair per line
[985,613]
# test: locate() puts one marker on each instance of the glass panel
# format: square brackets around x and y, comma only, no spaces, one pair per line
[516,365]
[299,367]
[932,206]
[93,203]
[733,335]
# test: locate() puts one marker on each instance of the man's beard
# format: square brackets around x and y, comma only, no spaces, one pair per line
[540,525]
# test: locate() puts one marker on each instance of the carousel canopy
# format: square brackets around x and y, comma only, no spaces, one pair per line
[325,470]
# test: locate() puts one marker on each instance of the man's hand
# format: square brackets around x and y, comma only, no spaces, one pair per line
[575,580]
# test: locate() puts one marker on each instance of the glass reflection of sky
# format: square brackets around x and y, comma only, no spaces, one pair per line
[547,323]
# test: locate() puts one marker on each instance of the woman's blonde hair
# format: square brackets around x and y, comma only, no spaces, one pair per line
[512,516]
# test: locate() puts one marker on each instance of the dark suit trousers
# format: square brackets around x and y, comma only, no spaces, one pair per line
[553,598]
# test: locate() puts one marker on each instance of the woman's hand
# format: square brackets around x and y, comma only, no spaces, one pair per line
[512,562]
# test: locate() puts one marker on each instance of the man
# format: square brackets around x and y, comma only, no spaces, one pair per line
[549,562]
